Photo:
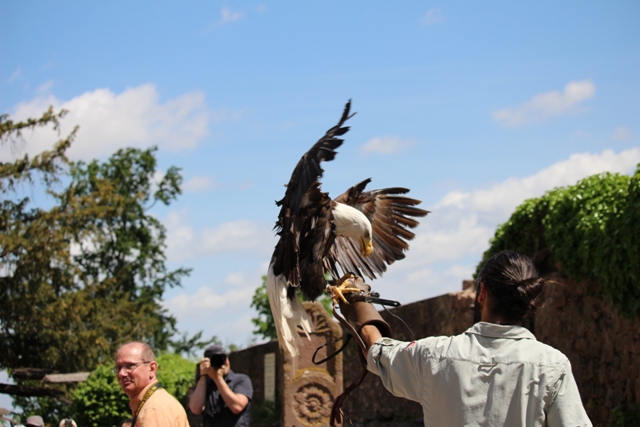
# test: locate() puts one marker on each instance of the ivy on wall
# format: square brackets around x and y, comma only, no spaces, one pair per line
[590,230]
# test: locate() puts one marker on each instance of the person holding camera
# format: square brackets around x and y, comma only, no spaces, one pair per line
[222,396]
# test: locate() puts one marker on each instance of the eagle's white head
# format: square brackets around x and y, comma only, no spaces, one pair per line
[353,223]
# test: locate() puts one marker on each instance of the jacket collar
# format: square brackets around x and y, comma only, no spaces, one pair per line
[493,330]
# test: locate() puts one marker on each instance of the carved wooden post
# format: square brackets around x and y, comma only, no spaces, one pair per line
[309,389]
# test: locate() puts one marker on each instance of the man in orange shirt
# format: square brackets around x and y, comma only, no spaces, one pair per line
[150,404]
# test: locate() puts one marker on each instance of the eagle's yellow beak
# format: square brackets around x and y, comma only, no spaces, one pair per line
[366,247]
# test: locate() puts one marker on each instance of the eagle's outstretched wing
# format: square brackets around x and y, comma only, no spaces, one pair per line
[302,225]
[392,217]
[308,169]
[303,192]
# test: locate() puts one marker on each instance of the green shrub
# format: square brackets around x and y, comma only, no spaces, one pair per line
[99,401]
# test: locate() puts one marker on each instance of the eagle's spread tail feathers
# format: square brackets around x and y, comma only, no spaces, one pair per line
[288,314]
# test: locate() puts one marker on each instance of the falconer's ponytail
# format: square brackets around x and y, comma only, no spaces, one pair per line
[515,290]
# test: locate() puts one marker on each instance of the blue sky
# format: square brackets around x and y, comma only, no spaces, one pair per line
[475,106]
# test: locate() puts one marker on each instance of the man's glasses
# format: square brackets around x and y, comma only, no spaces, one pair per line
[128,367]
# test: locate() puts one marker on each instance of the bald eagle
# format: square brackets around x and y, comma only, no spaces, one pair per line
[359,232]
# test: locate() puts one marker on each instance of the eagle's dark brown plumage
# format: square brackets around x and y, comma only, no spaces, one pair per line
[320,235]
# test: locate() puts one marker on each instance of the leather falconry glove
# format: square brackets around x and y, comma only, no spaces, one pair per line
[359,313]
[355,315]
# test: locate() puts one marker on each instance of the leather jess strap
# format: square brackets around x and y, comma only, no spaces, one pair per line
[336,411]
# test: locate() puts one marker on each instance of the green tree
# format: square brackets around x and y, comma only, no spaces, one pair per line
[99,401]
[84,271]
[591,229]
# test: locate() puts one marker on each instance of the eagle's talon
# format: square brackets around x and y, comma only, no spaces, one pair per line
[338,291]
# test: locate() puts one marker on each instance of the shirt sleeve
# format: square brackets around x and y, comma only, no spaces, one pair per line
[399,365]
[244,386]
[566,409]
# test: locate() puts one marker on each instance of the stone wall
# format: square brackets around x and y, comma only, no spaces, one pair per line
[603,347]
[250,361]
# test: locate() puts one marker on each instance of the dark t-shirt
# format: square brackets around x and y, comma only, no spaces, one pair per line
[216,413]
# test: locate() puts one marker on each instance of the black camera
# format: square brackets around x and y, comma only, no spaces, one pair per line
[217,360]
[217,355]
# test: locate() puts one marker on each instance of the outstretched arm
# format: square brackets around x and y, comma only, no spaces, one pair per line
[370,334]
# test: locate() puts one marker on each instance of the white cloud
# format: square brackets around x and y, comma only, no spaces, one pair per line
[226,16]
[206,299]
[108,121]
[546,105]
[240,278]
[223,295]
[198,183]
[235,236]
[45,88]
[221,309]
[47,65]
[17,75]
[157,178]
[180,236]
[229,16]
[451,240]
[387,145]
[432,17]
[621,133]
[580,134]
[502,198]
[241,236]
